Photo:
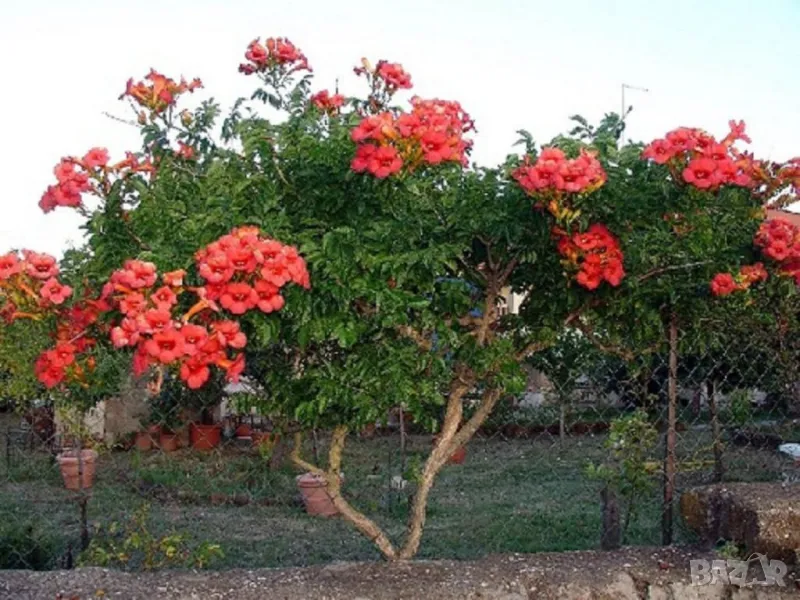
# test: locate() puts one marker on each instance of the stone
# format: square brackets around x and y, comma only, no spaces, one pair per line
[764,517]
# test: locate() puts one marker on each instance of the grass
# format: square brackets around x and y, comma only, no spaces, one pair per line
[510,496]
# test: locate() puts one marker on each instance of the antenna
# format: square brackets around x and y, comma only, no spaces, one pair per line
[623,113]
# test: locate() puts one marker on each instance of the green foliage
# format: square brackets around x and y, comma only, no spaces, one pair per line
[132,545]
[631,441]
[165,407]
[20,344]
[25,545]
[740,408]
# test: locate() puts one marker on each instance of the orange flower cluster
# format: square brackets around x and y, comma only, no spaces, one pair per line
[385,78]
[90,174]
[30,289]
[66,361]
[432,133]
[29,285]
[193,341]
[779,240]
[704,162]
[596,253]
[245,270]
[275,53]
[724,284]
[554,177]
[161,338]
[327,103]
[158,92]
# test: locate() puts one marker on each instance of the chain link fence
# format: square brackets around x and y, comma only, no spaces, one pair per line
[596,453]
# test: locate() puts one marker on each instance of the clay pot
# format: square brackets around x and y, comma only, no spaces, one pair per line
[243,431]
[68,462]
[144,441]
[204,437]
[458,456]
[155,434]
[315,497]
[265,438]
[168,442]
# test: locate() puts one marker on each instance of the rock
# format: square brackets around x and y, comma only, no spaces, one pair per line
[764,517]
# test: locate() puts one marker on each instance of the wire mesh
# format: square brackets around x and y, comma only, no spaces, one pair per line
[583,459]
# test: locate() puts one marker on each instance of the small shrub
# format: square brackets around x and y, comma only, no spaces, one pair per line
[23,545]
[132,545]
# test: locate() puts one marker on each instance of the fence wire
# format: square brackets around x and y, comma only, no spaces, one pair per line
[595,453]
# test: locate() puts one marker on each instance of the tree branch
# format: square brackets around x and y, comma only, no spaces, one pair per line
[532,348]
[462,382]
[588,331]
[298,460]
[662,270]
[488,401]
[512,264]
[334,489]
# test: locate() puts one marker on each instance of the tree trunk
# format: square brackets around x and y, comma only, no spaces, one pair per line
[334,487]
[437,459]
[562,420]
[669,457]
[611,536]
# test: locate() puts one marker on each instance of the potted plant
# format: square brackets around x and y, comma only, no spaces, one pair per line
[148,436]
[77,467]
[205,434]
[165,414]
[316,499]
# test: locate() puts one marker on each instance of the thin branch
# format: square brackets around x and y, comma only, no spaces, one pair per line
[662,270]
[488,401]
[532,348]
[512,264]
[334,489]
[121,120]
[588,331]
[472,269]
[295,457]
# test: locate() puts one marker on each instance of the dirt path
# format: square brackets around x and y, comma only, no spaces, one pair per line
[634,573]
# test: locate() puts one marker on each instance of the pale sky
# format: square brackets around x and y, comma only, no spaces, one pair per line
[512,64]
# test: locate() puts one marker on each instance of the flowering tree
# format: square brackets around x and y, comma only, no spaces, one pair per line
[409,253]
[686,209]
[409,250]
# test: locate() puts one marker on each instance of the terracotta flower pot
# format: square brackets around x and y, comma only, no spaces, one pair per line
[168,442]
[458,456]
[244,431]
[155,434]
[369,431]
[315,497]
[266,439]
[204,437]
[144,441]
[70,469]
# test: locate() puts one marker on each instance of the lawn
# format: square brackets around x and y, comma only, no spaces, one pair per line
[523,495]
